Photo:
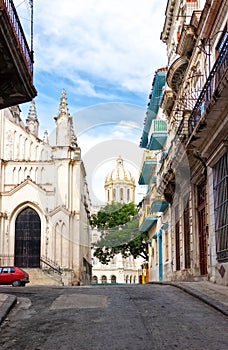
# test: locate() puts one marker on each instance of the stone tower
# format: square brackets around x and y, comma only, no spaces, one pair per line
[32,120]
[64,124]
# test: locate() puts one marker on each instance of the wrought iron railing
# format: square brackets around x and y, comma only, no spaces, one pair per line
[51,264]
[209,88]
[19,33]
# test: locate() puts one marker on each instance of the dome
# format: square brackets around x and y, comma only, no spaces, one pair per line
[119,173]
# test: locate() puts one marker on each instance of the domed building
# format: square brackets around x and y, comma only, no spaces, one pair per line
[119,185]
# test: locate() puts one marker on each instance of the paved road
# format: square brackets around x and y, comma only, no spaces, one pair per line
[132,317]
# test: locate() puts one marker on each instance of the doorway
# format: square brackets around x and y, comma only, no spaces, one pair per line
[27,239]
[201,194]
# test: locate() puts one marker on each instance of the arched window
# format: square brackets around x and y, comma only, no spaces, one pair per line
[113,279]
[128,195]
[121,194]
[104,279]
[58,245]
[94,280]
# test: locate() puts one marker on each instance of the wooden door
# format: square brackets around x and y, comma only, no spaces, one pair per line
[202,228]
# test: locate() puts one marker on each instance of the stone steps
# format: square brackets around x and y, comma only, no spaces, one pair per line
[43,277]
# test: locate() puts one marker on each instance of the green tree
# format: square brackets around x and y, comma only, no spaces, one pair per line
[118,226]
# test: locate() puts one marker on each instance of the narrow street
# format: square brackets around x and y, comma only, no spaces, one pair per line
[111,317]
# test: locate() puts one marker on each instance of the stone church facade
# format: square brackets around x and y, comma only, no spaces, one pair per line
[44,198]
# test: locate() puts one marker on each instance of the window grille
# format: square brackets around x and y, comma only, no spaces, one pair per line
[220,176]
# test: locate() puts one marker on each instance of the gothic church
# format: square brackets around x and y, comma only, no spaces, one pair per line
[44,198]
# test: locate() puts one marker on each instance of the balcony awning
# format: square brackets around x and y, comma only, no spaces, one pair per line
[165,226]
[148,222]
[157,141]
[144,139]
[153,105]
[148,168]
[158,205]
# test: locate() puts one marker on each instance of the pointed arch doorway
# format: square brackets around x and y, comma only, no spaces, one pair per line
[27,238]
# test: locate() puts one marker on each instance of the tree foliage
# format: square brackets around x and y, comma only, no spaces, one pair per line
[118,226]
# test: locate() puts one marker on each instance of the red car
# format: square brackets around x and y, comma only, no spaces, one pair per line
[13,275]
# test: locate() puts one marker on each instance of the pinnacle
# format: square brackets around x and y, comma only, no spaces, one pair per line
[63,106]
[32,115]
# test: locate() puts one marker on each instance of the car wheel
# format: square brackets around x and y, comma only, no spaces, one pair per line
[16,283]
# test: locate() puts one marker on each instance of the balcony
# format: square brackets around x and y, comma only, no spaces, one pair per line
[147,220]
[186,42]
[167,101]
[148,170]
[205,114]
[188,35]
[154,103]
[158,136]
[182,130]
[147,223]
[16,59]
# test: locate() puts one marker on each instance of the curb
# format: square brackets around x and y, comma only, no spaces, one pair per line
[216,304]
[6,306]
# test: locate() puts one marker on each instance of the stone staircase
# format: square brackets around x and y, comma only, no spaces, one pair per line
[46,277]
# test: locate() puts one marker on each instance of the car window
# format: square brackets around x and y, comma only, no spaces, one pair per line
[12,269]
[5,269]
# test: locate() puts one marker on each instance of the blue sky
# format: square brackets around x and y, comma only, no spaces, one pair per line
[104,54]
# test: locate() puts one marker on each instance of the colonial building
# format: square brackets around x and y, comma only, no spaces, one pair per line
[44,199]
[119,187]
[154,209]
[192,172]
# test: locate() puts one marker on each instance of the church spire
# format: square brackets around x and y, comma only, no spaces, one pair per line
[63,106]
[65,135]
[32,120]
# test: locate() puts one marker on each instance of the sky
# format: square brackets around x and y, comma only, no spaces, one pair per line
[104,53]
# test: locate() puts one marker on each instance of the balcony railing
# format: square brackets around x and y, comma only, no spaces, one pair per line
[209,88]
[18,30]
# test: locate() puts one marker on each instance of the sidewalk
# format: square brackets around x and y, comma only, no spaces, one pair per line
[7,301]
[210,293]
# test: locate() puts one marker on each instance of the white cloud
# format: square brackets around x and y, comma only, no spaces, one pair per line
[100,51]
[118,40]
